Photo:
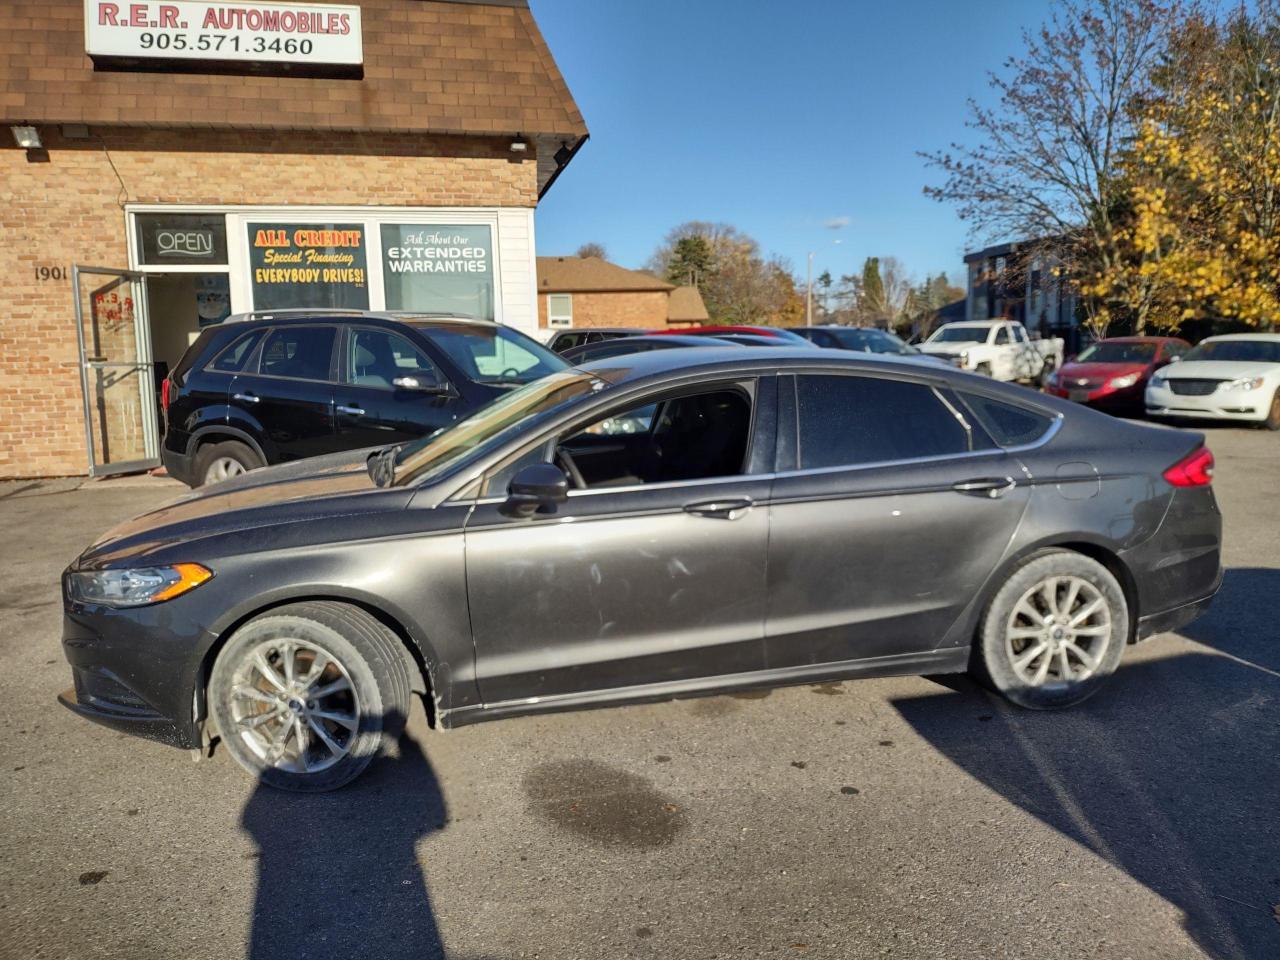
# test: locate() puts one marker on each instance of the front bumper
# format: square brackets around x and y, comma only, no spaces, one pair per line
[1103,397]
[1222,404]
[136,670]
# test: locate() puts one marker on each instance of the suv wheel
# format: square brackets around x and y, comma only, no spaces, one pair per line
[224,460]
[1054,632]
[304,695]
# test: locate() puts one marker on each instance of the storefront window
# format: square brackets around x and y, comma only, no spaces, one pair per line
[438,268]
[181,239]
[308,265]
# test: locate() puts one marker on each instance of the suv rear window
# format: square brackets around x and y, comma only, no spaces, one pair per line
[232,359]
[1009,425]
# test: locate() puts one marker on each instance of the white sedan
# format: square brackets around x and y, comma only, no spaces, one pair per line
[1234,377]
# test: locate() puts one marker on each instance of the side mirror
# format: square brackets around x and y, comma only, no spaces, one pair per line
[537,488]
[1175,358]
[418,385]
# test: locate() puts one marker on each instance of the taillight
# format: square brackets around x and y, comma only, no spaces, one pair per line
[1193,470]
[165,385]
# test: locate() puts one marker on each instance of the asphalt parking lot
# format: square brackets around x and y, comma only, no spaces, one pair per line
[904,817]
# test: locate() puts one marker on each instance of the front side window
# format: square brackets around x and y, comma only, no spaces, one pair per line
[301,353]
[378,358]
[560,310]
[1002,335]
[850,420]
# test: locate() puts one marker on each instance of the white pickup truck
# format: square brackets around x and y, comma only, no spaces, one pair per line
[998,348]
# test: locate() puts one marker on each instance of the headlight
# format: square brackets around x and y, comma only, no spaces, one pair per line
[964,356]
[1156,381]
[1128,380]
[1245,383]
[137,586]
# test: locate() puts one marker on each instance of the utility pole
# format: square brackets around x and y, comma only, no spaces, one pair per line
[808,295]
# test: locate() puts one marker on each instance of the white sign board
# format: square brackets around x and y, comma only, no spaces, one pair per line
[306,33]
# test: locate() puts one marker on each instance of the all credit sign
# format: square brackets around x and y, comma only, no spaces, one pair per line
[306,33]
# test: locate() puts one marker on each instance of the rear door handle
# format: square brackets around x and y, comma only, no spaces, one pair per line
[351,411]
[720,509]
[246,398]
[992,487]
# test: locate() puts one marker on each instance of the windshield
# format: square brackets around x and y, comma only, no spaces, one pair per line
[1118,351]
[1250,351]
[872,341]
[958,334]
[494,354]
[432,456]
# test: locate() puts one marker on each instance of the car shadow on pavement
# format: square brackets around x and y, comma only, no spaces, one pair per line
[1171,774]
[338,873]
[1244,620]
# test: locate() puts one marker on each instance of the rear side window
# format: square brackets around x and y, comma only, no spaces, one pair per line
[847,421]
[303,353]
[1008,424]
[234,357]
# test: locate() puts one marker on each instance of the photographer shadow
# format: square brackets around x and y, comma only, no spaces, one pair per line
[339,874]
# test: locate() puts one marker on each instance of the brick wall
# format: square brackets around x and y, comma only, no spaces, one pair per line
[646,308]
[70,210]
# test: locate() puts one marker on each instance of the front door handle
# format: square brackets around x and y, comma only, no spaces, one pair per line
[351,411]
[992,487]
[246,397]
[720,509]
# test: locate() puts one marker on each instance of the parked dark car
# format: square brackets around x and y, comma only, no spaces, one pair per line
[1112,374]
[568,339]
[269,388]
[724,330]
[783,517]
[603,349]
[866,339]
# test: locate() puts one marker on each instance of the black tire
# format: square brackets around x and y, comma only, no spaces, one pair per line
[210,455]
[363,653]
[1046,371]
[1273,414]
[983,368]
[1002,640]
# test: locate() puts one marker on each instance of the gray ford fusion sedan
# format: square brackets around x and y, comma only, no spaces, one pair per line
[649,526]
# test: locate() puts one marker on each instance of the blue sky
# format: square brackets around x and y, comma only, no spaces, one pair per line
[777,117]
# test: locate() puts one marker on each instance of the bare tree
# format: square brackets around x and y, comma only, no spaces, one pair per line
[593,250]
[1045,161]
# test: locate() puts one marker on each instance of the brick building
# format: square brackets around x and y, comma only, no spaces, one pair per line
[591,292]
[386,155]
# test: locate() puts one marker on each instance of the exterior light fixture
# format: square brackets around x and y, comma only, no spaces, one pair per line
[519,145]
[28,138]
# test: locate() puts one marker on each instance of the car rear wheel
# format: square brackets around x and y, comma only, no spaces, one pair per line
[303,696]
[1054,632]
[222,461]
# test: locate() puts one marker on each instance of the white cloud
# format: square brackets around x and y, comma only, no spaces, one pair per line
[836,223]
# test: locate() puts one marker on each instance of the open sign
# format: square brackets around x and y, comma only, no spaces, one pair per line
[184,243]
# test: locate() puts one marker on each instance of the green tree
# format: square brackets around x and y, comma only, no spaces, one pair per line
[872,305]
[690,263]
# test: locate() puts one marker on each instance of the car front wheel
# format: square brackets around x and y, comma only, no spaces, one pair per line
[304,695]
[1054,632]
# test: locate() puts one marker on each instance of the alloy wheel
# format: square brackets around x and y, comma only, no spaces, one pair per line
[294,706]
[224,468]
[1058,632]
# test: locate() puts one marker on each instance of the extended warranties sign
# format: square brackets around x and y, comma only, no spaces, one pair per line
[124,35]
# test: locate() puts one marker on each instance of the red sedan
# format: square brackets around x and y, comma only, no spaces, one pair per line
[1112,374]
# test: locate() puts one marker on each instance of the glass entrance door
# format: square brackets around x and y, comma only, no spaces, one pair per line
[121,416]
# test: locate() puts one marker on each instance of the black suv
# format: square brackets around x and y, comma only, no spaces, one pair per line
[260,389]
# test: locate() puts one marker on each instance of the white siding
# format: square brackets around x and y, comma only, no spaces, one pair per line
[517,269]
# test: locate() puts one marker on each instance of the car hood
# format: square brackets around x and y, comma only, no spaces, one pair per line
[1218,369]
[950,346]
[1099,371]
[313,489]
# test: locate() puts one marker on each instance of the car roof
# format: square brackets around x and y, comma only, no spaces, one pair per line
[1267,337]
[330,314]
